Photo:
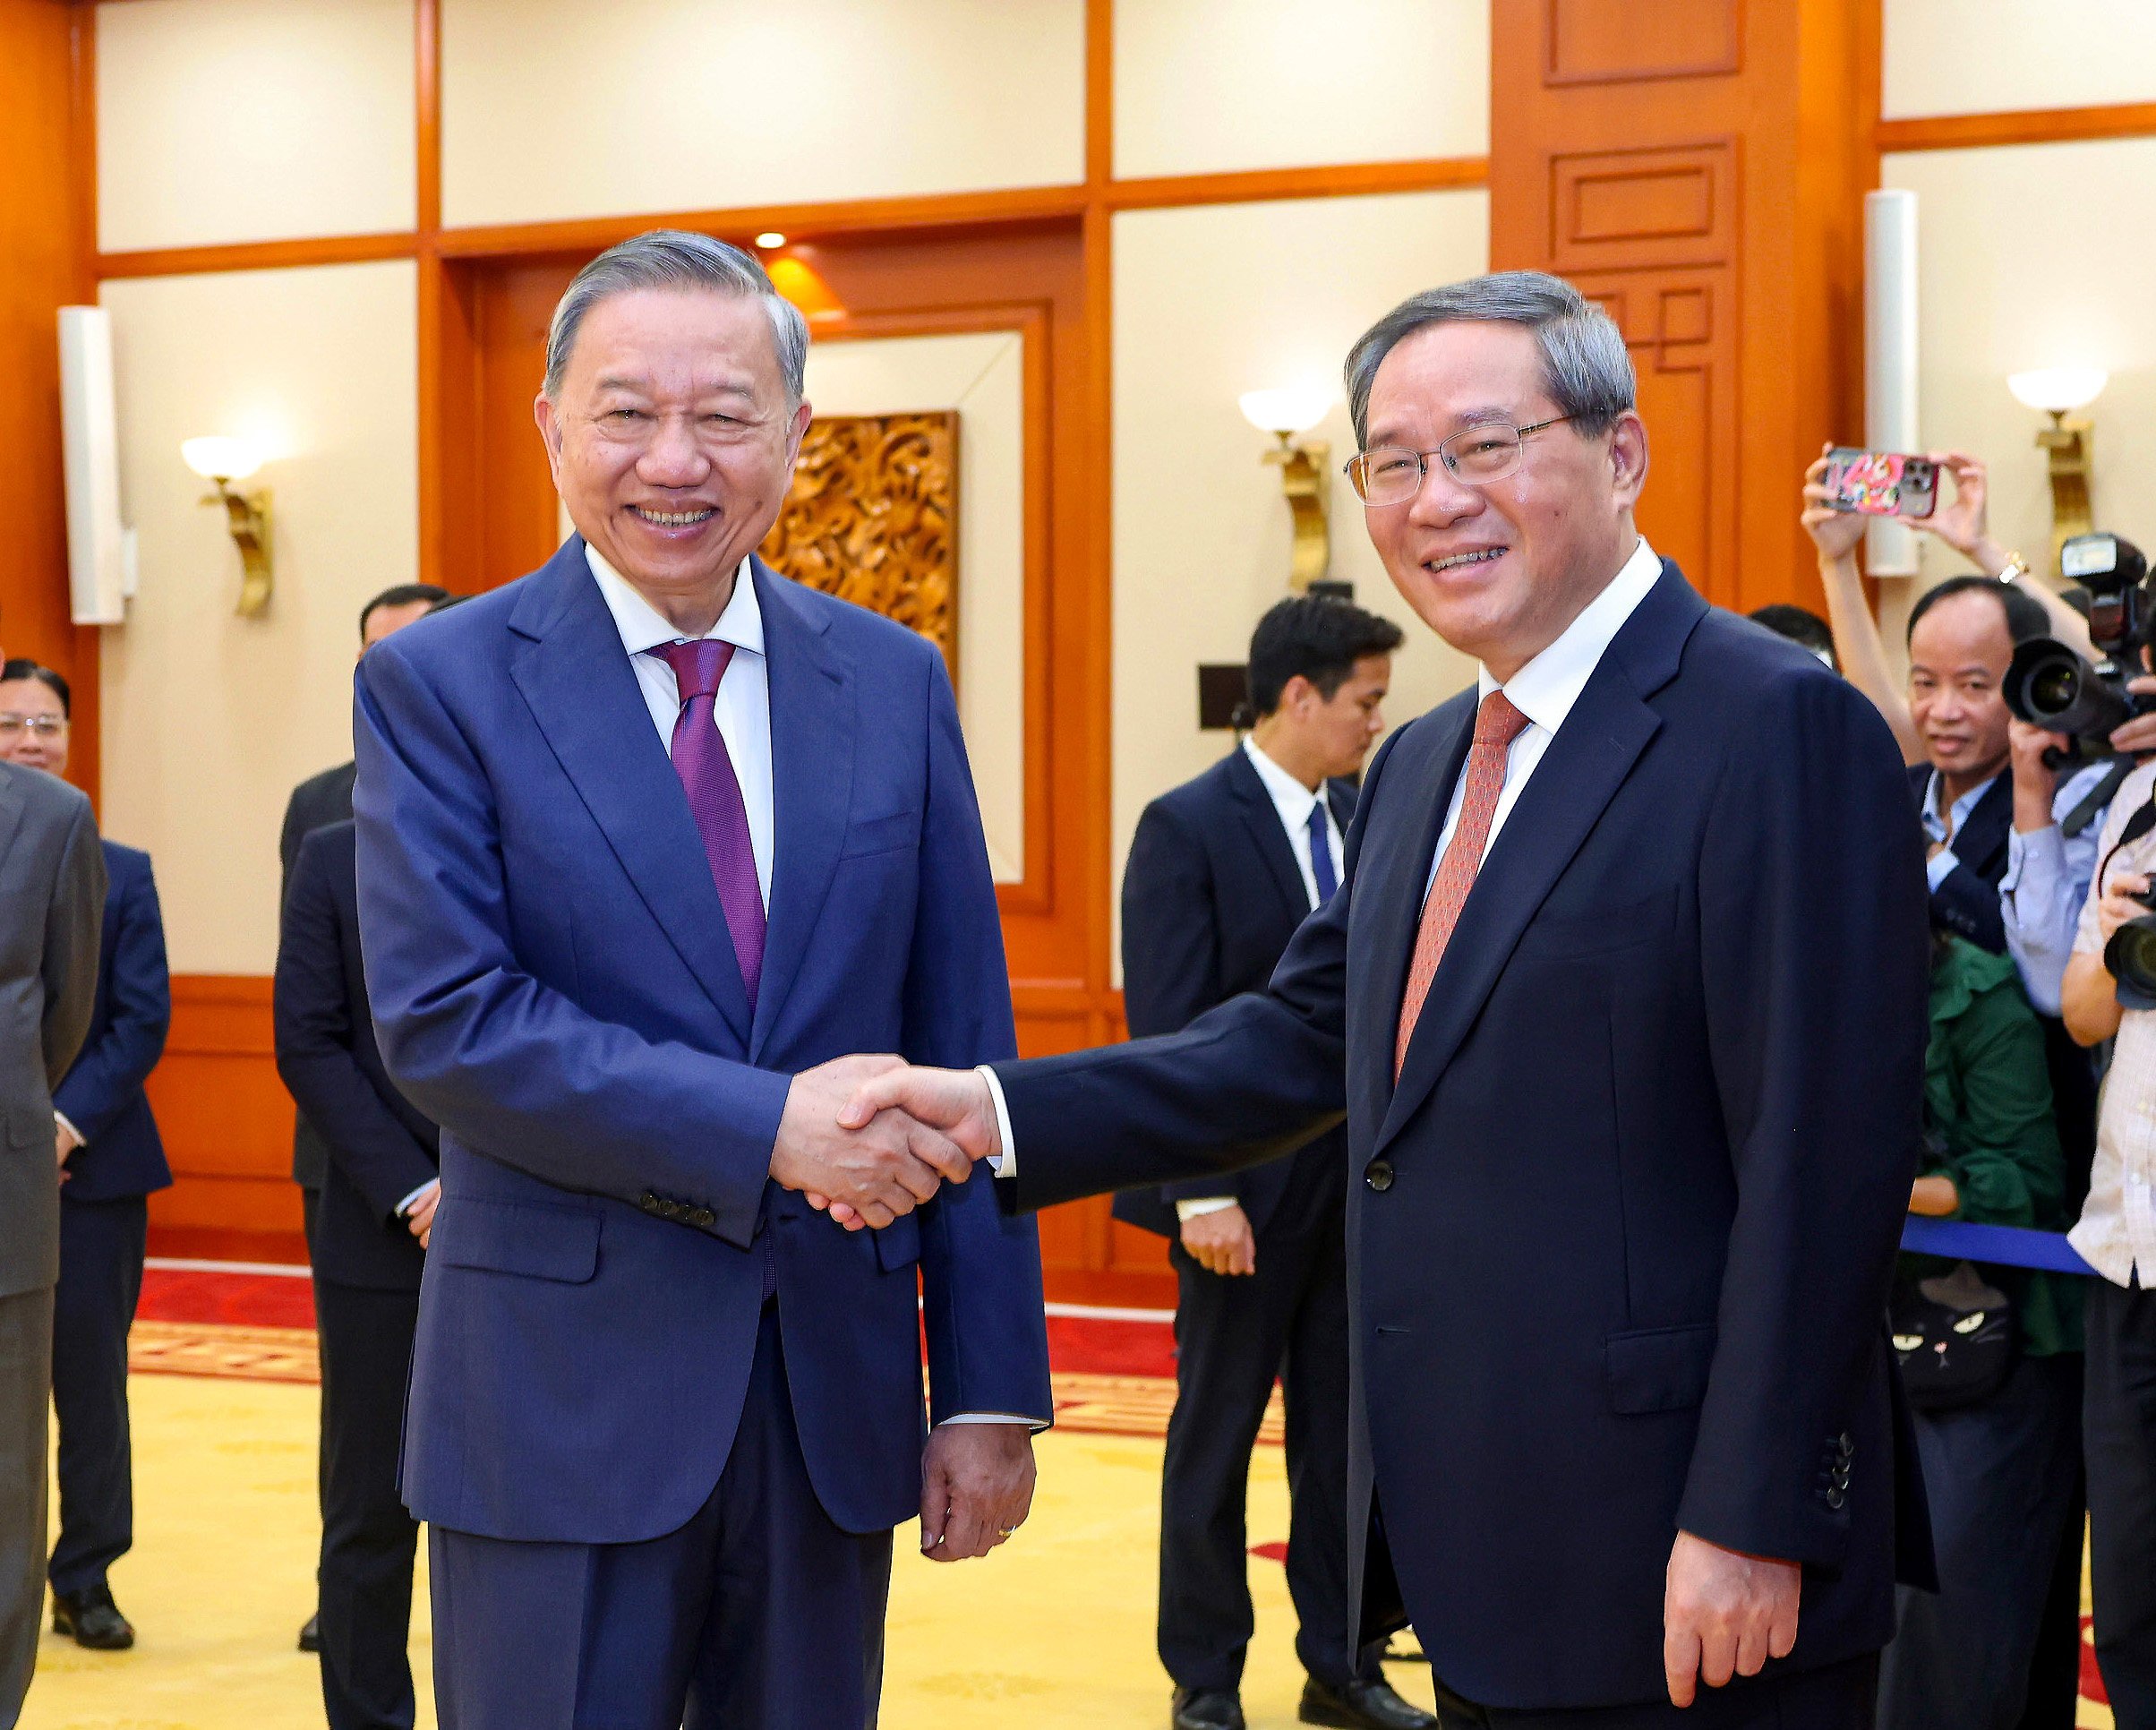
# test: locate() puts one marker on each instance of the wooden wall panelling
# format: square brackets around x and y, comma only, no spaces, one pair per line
[226,1121]
[1961,131]
[1698,166]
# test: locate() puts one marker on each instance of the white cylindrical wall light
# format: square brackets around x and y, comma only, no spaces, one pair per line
[1890,356]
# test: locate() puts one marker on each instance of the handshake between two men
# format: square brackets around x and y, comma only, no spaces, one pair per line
[869,1138]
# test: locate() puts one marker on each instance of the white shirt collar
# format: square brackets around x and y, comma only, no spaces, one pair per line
[1290,796]
[642,626]
[1546,688]
[1935,790]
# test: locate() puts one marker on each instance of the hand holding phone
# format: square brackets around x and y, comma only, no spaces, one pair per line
[1880,482]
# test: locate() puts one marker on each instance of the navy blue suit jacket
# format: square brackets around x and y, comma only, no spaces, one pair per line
[1211,894]
[121,1152]
[1966,902]
[381,1147]
[1619,1240]
[553,982]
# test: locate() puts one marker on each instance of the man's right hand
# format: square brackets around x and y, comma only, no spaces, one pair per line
[1220,1240]
[2137,737]
[876,1164]
[952,1107]
[2119,902]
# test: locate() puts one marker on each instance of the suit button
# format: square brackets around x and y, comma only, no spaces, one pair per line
[650,1202]
[1378,1175]
[1835,1497]
[1846,1446]
[703,1218]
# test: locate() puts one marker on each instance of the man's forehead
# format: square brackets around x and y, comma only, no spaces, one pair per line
[650,336]
[1458,371]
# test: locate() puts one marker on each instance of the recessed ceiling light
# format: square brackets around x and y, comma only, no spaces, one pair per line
[770,238]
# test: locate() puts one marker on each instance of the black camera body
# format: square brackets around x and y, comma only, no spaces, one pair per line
[2130,957]
[2052,687]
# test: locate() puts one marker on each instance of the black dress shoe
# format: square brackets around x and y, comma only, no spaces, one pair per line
[1361,1706]
[311,1636]
[1205,1708]
[93,1619]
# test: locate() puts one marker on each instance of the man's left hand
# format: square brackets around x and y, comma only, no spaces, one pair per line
[976,1489]
[1724,1613]
[65,1142]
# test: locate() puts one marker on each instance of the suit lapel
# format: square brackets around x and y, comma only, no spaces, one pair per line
[1579,773]
[1261,818]
[11,806]
[1982,844]
[812,745]
[584,695]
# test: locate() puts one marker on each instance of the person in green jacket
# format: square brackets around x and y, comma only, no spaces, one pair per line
[1998,1472]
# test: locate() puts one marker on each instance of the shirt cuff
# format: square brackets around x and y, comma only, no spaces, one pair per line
[1006,1163]
[1188,1211]
[1940,865]
[993,1417]
[405,1206]
[60,1117]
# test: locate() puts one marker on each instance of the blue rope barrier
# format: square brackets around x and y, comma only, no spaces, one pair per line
[2002,1246]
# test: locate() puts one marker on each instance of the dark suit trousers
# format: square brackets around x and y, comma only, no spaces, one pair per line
[758,1614]
[102,1248]
[2119,1432]
[1833,1696]
[1234,1334]
[26,1362]
[369,1541]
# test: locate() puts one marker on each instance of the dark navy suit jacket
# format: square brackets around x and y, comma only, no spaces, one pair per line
[1211,894]
[380,1148]
[121,1152]
[318,802]
[553,982]
[1966,902]
[1619,1240]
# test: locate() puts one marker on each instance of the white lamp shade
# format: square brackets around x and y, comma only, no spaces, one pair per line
[2057,390]
[220,459]
[1294,408]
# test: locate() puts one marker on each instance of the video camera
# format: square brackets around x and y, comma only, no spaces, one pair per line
[2052,687]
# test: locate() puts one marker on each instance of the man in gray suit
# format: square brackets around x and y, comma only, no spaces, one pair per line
[52,898]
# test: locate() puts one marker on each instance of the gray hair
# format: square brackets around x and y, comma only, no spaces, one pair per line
[1584,365]
[674,258]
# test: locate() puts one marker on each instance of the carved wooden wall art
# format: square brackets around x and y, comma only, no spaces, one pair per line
[872,518]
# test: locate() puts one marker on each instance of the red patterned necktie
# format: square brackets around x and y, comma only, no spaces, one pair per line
[1497,723]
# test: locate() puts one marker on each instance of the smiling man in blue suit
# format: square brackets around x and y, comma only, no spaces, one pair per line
[646,841]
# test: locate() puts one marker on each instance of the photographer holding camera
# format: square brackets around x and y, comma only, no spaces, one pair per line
[2107,996]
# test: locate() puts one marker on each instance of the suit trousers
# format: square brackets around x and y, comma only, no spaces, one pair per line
[1235,1334]
[101,1249]
[26,1367]
[2000,1477]
[1833,1696]
[760,1613]
[2119,1432]
[369,1541]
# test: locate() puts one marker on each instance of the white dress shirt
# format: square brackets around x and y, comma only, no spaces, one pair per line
[1544,690]
[742,708]
[1294,802]
[1944,825]
[2117,1231]
[2047,880]
[1547,687]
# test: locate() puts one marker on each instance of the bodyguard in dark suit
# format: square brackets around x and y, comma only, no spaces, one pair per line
[114,1160]
[318,802]
[1623,1000]
[1221,872]
[377,1207]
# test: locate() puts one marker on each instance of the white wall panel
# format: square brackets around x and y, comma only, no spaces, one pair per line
[1263,295]
[209,719]
[1977,56]
[2006,243]
[983,377]
[237,120]
[558,108]
[1208,86]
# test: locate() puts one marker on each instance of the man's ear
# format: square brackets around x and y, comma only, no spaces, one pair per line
[1628,457]
[550,435]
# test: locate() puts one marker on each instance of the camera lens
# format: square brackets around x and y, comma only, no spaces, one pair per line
[2130,957]
[2052,688]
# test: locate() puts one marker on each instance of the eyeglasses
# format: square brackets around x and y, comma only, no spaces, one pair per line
[39,726]
[1475,456]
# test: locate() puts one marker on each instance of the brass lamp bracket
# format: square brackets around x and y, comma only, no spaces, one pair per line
[2067,444]
[1305,479]
[247,516]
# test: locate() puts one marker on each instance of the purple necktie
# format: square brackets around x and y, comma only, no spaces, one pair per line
[715,798]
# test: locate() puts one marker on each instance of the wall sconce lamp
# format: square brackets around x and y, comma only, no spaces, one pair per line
[1305,472]
[221,462]
[2058,391]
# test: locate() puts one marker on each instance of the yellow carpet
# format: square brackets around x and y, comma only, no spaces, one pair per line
[1058,1625]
